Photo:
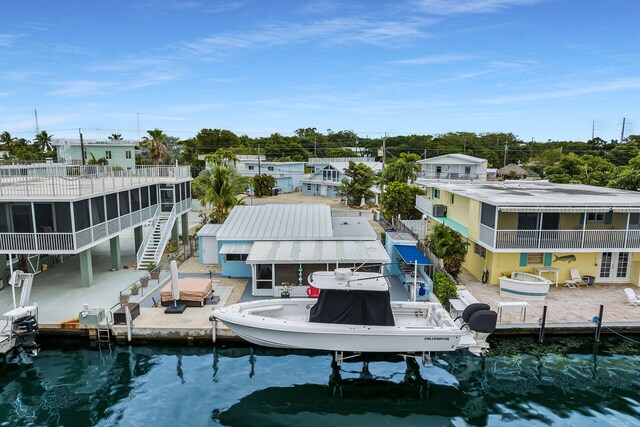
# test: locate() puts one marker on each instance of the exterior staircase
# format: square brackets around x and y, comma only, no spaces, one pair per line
[156,239]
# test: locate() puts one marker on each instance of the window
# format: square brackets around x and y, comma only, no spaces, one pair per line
[97,210]
[237,257]
[436,193]
[269,168]
[251,167]
[438,169]
[452,198]
[124,202]
[479,250]
[127,154]
[107,154]
[308,187]
[81,214]
[467,170]
[595,217]
[535,258]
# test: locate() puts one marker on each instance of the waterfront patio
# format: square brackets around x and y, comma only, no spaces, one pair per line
[564,305]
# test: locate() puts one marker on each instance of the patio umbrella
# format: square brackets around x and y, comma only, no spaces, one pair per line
[175,285]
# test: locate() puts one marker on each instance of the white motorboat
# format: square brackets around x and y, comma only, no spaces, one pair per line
[21,323]
[525,286]
[353,313]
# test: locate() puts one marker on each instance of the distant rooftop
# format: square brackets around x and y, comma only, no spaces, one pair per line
[341,159]
[128,142]
[539,193]
[454,156]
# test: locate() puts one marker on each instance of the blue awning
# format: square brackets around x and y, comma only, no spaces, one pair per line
[411,254]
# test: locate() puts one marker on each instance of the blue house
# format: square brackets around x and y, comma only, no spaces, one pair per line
[272,244]
[287,174]
[329,172]
[404,254]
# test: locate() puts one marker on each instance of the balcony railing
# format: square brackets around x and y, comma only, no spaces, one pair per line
[424,205]
[75,242]
[560,239]
[55,180]
[453,176]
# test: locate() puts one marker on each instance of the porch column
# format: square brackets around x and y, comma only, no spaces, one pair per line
[116,259]
[175,235]
[185,227]
[137,237]
[86,268]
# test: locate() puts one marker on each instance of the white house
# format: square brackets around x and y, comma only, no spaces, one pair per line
[329,172]
[454,167]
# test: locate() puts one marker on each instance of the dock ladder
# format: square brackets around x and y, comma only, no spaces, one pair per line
[103,332]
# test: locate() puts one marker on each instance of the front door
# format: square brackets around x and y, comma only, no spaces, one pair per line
[614,267]
[262,280]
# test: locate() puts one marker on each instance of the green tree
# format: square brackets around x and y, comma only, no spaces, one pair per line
[627,178]
[357,185]
[43,141]
[220,188]
[154,144]
[622,153]
[6,140]
[570,169]
[401,169]
[222,157]
[211,140]
[398,198]
[102,161]
[449,245]
[263,185]
[443,287]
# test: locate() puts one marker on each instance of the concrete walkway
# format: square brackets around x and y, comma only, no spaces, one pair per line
[564,305]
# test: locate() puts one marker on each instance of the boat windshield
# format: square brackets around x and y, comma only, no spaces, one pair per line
[371,308]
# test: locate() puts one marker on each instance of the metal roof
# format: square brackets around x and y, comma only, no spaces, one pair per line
[236,248]
[353,228]
[318,251]
[277,221]
[209,230]
[455,156]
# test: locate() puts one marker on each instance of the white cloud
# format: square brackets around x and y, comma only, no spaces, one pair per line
[601,87]
[92,87]
[7,40]
[453,7]
[125,65]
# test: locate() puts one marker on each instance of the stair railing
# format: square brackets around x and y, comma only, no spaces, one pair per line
[147,237]
[166,233]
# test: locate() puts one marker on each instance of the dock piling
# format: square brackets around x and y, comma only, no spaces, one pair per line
[543,323]
[599,326]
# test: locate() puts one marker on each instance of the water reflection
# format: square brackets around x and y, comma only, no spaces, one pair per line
[71,384]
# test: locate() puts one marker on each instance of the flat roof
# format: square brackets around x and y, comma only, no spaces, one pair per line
[538,193]
[352,227]
[462,157]
[277,221]
[318,251]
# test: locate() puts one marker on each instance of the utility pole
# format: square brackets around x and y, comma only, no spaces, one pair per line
[384,150]
[531,148]
[593,129]
[315,146]
[506,147]
[624,119]
[259,164]
[84,155]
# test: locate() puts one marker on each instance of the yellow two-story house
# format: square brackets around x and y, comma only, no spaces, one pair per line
[540,227]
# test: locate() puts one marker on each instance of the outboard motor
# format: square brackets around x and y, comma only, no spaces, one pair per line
[482,322]
[25,330]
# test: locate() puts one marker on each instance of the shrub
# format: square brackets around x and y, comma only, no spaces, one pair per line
[443,287]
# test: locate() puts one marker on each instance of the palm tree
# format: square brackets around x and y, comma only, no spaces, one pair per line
[115,137]
[220,189]
[155,146]
[43,141]
[6,140]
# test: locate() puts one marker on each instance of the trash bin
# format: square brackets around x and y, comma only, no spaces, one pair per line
[589,280]
[275,191]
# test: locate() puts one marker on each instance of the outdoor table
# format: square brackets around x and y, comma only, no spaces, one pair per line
[554,272]
[522,305]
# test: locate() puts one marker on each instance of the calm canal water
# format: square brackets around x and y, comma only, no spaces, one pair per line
[565,382]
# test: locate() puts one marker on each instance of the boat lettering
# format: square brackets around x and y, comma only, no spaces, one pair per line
[437,338]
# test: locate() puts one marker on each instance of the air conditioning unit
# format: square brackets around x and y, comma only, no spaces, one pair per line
[439,211]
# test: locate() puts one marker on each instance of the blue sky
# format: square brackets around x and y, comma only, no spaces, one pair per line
[542,69]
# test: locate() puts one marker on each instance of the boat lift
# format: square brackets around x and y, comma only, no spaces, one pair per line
[21,323]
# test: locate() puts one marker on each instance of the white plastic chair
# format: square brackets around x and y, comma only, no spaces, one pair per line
[577,278]
[632,297]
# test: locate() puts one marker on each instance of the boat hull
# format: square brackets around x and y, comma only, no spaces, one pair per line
[299,334]
[525,290]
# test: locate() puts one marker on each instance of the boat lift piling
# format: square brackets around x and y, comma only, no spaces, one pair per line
[543,323]
[599,325]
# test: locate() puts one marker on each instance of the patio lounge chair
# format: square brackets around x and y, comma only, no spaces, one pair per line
[632,297]
[576,280]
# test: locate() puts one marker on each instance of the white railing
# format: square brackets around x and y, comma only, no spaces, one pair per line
[166,233]
[341,159]
[36,242]
[453,176]
[419,227]
[562,239]
[64,180]
[424,205]
[147,236]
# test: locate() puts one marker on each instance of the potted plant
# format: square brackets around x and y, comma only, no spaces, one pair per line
[124,299]
[155,275]
[285,289]
[135,288]
[144,281]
